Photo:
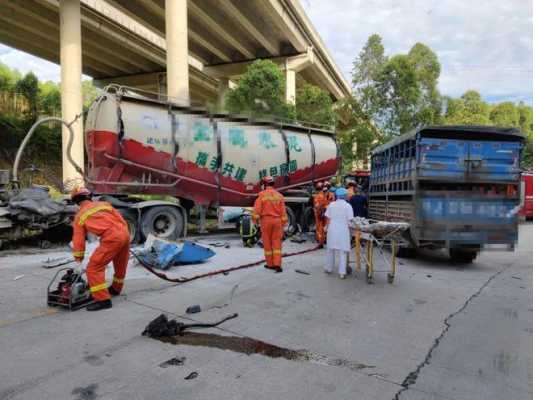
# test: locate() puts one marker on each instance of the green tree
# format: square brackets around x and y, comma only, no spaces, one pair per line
[366,68]
[399,93]
[505,114]
[29,88]
[50,99]
[260,92]
[525,119]
[354,127]
[470,109]
[7,78]
[314,105]
[427,68]
[89,93]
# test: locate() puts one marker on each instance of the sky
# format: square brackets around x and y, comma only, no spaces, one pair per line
[485,45]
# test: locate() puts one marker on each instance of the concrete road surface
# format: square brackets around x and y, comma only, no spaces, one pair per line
[441,331]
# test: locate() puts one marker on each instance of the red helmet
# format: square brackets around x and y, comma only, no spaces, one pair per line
[267,180]
[79,191]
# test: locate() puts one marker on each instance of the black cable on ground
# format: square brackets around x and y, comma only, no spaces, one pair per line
[163,276]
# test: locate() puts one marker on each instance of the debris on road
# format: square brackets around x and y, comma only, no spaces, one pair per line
[192,375]
[298,239]
[175,361]
[16,278]
[226,245]
[193,309]
[57,262]
[162,326]
[299,271]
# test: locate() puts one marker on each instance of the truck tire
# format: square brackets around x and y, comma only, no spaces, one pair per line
[292,226]
[133,228]
[308,219]
[165,222]
[462,256]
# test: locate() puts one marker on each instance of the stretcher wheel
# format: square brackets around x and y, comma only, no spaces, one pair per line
[370,280]
[390,278]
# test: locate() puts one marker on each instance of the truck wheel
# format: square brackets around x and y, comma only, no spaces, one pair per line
[309,219]
[292,227]
[132,226]
[462,256]
[165,222]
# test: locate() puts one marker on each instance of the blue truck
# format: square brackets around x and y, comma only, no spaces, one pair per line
[457,187]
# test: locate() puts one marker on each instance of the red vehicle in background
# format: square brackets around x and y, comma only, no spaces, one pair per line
[527,195]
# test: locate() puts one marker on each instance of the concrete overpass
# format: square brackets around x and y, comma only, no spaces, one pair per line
[188,50]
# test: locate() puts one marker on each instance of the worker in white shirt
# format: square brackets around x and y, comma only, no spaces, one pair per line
[339,214]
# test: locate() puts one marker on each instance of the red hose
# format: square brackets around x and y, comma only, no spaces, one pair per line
[216,272]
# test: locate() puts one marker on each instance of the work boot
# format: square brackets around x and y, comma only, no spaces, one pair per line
[100,305]
[275,269]
[112,291]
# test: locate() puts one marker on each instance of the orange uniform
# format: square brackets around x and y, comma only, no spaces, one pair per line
[102,220]
[269,208]
[320,203]
[330,197]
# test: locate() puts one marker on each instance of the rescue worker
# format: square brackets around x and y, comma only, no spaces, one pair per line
[338,214]
[101,219]
[330,192]
[352,190]
[320,204]
[359,204]
[269,209]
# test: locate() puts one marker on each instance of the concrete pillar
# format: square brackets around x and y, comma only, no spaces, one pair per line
[290,86]
[71,96]
[223,88]
[177,51]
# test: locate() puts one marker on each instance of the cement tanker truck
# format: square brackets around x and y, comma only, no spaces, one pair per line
[138,145]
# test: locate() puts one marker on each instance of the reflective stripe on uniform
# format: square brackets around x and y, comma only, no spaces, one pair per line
[276,251]
[269,252]
[271,198]
[92,211]
[97,288]
[118,280]
[78,253]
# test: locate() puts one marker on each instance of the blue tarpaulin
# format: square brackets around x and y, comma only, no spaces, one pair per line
[162,254]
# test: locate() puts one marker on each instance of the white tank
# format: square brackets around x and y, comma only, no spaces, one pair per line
[140,145]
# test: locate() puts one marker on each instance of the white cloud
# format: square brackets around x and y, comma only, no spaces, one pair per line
[482,44]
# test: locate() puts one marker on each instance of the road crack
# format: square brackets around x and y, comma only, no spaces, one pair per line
[413,376]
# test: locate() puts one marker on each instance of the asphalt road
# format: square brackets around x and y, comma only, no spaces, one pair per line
[440,332]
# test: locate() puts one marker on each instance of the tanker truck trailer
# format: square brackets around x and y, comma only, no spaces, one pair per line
[138,145]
